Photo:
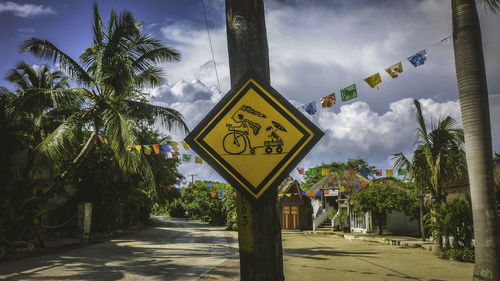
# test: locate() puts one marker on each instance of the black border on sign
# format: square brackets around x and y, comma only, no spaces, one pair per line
[202,126]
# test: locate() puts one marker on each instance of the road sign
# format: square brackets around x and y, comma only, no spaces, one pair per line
[253,137]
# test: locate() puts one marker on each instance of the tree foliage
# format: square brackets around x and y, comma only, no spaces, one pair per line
[357,165]
[438,160]
[382,199]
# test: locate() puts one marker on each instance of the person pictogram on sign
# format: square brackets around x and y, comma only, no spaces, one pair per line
[236,141]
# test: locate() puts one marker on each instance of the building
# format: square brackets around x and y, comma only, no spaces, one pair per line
[295,209]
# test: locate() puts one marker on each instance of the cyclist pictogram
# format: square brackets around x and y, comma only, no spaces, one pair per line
[239,138]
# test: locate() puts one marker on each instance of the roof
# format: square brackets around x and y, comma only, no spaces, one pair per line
[287,184]
[336,180]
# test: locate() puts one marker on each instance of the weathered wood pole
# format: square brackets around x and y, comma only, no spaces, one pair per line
[261,256]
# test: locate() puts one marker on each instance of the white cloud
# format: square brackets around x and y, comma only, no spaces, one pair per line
[26,10]
[318,47]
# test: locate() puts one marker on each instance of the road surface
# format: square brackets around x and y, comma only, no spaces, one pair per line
[180,250]
[175,250]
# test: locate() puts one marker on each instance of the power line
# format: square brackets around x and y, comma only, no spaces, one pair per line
[210,41]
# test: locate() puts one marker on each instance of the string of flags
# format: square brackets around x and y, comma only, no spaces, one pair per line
[365,173]
[170,149]
[350,92]
[334,191]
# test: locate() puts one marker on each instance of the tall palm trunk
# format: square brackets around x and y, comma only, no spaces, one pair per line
[473,96]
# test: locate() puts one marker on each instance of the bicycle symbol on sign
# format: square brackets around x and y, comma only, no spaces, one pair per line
[237,140]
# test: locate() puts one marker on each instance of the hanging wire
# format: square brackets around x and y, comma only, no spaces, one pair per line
[210,41]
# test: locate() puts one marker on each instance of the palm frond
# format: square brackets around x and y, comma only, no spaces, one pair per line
[59,146]
[491,4]
[169,118]
[97,26]
[46,50]
[422,130]
[41,99]
[401,162]
[117,127]
[150,77]
[149,57]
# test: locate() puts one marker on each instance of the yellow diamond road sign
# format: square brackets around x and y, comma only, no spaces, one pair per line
[253,137]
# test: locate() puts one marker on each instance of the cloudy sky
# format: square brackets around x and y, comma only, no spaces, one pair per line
[316,47]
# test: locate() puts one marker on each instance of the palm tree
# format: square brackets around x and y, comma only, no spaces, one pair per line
[438,160]
[119,63]
[473,95]
[38,98]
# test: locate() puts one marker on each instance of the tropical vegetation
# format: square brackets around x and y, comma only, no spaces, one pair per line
[311,178]
[54,158]
[384,197]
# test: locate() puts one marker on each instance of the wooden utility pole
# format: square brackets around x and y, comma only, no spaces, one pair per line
[261,255]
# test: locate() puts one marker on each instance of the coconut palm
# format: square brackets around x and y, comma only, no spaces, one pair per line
[41,97]
[439,157]
[473,95]
[112,72]
[437,160]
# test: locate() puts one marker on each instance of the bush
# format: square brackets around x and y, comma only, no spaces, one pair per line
[176,209]
[462,255]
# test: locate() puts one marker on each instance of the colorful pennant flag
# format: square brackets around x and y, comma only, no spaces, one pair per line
[164,148]
[216,184]
[342,189]
[230,194]
[310,108]
[198,160]
[156,148]
[325,171]
[393,70]
[356,186]
[418,59]
[339,171]
[209,184]
[175,155]
[310,194]
[378,172]
[221,195]
[212,194]
[389,172]
[318,193]
[370,184]
[168,187]
[174,145]
[401,172]
[352,172]
[365,173]
[100,138]
[185,145]
[178,182]
[138,147]
[328,101]
[304,193]
[288,195]
[363,185]
[129,147]
[280,194]
[147,149]
[374,80]
[349,92]
[300,170]
[186,157]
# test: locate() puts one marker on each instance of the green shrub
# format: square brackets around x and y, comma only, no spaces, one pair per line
[176,209]
[462,255]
